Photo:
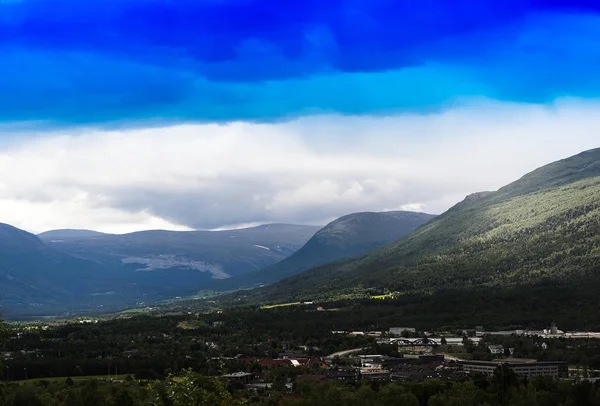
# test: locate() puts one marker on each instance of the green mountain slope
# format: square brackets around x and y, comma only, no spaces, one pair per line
[543,228]
[349,236]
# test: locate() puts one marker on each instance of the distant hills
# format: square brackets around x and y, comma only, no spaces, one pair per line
[67,233]
[542,229]
[32,273]
[349,236]
[222,254]
[81,270]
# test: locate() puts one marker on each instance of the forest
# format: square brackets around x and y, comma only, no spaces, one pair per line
[194,389]
[181,359]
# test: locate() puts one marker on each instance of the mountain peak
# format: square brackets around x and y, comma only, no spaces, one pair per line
[349,236]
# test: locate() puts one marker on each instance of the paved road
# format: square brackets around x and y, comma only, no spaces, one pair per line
[344,353]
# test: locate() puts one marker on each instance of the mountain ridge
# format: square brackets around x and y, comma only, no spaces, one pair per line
[90,272]
[544,226]
[349,236]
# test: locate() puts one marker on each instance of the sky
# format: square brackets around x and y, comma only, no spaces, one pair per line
[124,115]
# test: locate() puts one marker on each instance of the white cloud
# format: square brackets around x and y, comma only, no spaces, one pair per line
[306,171]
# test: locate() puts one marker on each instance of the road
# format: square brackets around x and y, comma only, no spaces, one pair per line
[344,353]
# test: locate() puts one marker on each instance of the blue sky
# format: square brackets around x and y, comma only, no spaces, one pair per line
[80,62]
[328,82]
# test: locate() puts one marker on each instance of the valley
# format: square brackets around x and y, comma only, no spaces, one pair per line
[323,318]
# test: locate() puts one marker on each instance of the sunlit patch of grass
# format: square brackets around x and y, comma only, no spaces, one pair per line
[280,305]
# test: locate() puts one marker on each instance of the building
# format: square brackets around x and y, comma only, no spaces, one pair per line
[521,367]
[496,349]
[370,360]
[374,374]
[343,374]
[243,377]
[399,330]
[413,371]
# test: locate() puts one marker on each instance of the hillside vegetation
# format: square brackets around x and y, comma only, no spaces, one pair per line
[542,228]
[347,237]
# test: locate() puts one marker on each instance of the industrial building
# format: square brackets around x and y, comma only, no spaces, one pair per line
[522,367]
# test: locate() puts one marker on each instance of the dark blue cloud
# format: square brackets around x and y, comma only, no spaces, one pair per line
[121,60]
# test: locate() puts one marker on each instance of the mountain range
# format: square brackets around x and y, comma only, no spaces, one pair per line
[80,270]
[538,237]
[347,237]
[64,270]
[221,254]
[541,230]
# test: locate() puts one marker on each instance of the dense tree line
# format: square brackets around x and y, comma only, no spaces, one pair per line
[156,346]
[193,389]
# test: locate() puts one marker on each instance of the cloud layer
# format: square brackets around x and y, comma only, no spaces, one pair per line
[303,171]
[66,61]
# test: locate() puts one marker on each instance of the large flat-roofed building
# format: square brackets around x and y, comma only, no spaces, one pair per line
[526,368]
[399,330]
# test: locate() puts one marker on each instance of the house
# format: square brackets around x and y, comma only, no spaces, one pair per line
[375,374]
[342,374]
[311,378]
[496,349]
[243,377]
[370,360]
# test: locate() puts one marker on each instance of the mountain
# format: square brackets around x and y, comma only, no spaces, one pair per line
[543,229]
[217,254]
[68,233]
[349,236]
[33,274]
[80,271]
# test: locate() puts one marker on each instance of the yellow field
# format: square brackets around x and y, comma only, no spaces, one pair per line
[280,305]
[389,295]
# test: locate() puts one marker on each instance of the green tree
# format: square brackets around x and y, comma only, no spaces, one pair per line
[3,337]
[191,389]
[395,394]
[461,394]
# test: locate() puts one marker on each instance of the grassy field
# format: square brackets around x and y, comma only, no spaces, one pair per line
[389,295]
[280,305]
[75,378]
